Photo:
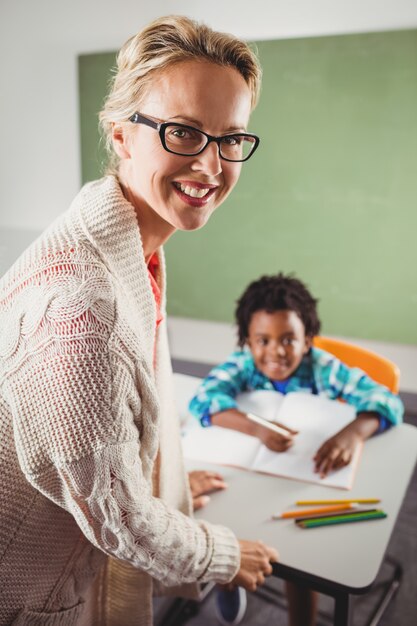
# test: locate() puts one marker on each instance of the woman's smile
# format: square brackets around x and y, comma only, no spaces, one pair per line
[194,193]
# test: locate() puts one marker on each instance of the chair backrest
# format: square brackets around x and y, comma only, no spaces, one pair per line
[379,368]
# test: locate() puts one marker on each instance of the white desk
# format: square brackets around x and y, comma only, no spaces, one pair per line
[336,560]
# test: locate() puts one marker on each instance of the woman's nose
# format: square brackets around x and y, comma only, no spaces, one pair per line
[209,161]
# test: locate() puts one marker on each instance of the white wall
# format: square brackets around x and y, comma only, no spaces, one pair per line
[39,44]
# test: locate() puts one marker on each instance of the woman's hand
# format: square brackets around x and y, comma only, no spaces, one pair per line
[202,483]
[275,441]
[255,564]
[338,451]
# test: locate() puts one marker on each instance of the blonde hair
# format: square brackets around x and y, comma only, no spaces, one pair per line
[162,43]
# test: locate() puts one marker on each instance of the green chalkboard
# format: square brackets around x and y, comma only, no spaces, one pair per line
[331,194]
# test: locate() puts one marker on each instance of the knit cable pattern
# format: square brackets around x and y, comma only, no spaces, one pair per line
[81,420]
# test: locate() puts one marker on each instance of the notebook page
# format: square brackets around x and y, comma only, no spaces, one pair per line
[225,446]
[316,418]
[222,445]
[219,445]
[265,403]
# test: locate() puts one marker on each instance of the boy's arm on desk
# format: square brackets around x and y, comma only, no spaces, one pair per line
[237,420]
[338,451]
[217,392]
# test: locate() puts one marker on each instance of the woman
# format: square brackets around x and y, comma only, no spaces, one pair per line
[96,504]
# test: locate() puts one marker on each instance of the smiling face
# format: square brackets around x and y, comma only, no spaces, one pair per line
[277,342]
[181,192]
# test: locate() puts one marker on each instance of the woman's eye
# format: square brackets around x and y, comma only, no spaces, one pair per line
[232,140]
[184,136]
[180,133]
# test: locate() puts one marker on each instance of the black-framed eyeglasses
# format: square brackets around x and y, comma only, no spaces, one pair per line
[186,140]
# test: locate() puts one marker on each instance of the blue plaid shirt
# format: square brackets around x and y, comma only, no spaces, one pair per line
[319,373]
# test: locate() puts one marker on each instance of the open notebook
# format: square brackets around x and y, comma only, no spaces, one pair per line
[316,418]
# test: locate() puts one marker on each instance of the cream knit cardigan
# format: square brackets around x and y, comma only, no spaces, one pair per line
[90,459]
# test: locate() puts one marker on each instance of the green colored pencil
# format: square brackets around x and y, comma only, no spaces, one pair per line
[329,521]
[347,514]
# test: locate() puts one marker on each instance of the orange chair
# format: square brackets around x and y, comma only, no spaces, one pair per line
[379,368]
[386,373]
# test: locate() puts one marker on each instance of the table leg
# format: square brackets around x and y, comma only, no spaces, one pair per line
[341,609]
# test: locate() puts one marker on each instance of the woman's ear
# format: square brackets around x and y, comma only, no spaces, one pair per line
[120,140]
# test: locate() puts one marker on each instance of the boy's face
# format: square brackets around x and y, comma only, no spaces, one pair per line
[278,342]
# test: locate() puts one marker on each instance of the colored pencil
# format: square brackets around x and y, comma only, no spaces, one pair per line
[341,520]
[347,501]
[341,514]
[322,509]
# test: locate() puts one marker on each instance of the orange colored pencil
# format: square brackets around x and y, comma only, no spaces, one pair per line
[315,511]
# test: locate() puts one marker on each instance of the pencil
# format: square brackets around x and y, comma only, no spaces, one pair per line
[322,509]
[348,501]
[341,520]
[332,515]
[348,514]
[281,430]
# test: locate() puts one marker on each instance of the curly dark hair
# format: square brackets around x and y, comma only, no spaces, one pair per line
[276,293]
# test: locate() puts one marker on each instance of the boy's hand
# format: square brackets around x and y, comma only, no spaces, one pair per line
[237,420]
[202,483]
[275,441]
[335,453]
[338,451]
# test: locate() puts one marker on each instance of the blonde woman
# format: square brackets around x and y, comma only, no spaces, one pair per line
[96,508]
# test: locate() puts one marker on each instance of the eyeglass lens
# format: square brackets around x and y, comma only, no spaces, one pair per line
[184,140]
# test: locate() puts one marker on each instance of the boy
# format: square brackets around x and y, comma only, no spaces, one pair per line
[277,320]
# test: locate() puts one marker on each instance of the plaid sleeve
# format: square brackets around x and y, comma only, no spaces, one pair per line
[337,380]
[218,390]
